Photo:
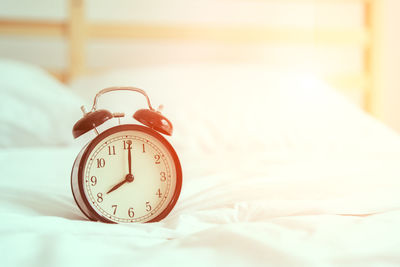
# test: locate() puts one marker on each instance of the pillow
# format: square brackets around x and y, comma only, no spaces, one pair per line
[36,109]
[220,108]
[256,143]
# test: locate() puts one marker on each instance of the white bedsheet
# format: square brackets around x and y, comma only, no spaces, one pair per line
[248,216]
[278,170]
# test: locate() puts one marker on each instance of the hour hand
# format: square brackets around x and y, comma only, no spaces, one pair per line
[128,179]
[115,187]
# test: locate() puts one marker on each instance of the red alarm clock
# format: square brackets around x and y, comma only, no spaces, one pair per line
[128,173]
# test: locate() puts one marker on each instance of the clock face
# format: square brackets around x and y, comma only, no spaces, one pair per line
[131,175]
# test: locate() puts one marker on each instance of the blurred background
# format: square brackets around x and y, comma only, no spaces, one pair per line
[332,40]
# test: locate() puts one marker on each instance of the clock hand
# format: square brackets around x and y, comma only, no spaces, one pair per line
[128,179]
[115,187]
[129,142]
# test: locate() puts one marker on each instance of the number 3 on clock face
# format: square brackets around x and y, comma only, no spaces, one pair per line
[127,174]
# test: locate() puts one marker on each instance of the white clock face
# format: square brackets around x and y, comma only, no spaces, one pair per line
[129,176]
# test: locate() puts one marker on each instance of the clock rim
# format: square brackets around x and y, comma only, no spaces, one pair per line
[92,144]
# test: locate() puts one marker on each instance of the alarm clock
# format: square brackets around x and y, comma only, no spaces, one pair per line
[128,173]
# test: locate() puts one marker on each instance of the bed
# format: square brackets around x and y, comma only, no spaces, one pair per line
[279,169]
[314,181]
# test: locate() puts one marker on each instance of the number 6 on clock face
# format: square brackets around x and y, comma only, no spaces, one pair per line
[127,174]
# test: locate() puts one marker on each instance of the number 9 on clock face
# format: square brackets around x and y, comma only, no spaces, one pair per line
[127,174]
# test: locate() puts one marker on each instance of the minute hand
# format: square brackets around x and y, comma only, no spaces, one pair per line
[129,142]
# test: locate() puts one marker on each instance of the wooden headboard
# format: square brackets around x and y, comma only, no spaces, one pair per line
[77,30]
